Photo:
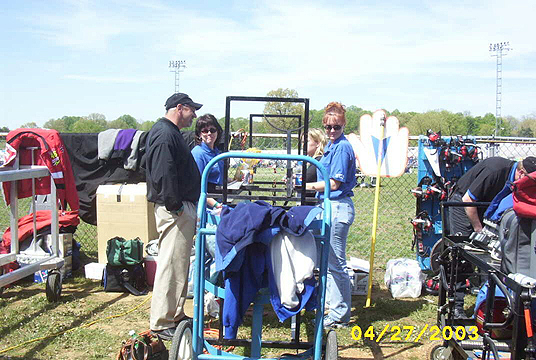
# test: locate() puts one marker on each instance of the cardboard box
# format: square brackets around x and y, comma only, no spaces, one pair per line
[94,270]
[65,244]
[358,271]
[67,268]
[359,281]
[123,210]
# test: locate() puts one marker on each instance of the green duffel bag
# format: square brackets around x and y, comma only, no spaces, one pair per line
[124,252]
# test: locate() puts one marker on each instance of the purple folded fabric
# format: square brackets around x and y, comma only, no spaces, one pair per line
[124,139]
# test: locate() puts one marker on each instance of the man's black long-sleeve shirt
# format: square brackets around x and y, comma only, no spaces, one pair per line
[172,174]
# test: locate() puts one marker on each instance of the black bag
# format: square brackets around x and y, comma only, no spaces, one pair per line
[518,253]
[125,279]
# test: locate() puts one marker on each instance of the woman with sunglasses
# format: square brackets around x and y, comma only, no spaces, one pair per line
[340,163]
[208,133]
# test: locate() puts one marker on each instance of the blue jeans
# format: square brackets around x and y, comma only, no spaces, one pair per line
[339,295]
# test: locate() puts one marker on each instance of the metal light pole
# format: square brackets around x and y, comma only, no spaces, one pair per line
[177,66]
[497,50]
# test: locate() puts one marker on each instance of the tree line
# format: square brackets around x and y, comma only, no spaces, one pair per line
[447,122]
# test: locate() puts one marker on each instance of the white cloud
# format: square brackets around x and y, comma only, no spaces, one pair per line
[415,56]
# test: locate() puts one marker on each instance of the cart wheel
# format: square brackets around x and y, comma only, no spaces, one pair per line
[53,288]
[181,345]
[434,256]
[332,350]
[440,352]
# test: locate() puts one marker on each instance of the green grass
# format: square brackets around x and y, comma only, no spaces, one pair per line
[25,313]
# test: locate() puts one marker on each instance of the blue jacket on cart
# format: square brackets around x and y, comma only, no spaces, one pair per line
[242,253]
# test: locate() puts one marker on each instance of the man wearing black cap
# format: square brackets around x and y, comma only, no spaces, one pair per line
[480,184]
[173,184]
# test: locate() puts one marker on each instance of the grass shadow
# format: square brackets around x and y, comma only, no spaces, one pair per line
[78,289]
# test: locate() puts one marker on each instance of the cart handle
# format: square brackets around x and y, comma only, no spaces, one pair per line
[237,154]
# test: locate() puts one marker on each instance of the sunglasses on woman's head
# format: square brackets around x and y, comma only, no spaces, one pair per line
[334,127]
[211,130]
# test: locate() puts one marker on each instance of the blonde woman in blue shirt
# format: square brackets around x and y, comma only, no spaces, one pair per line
[340,163]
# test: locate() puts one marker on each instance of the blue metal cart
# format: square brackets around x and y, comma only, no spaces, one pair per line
[200,347]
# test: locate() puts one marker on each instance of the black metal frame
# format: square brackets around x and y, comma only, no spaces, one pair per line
[288,132]
[227,132]
[453,249]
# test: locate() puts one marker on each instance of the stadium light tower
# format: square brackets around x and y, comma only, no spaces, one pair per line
[498,50]
[177,66]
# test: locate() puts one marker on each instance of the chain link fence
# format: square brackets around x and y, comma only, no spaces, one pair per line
[396,204]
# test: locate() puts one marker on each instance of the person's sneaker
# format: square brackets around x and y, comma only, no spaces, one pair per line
[329,323]
[459,313]
[166,334]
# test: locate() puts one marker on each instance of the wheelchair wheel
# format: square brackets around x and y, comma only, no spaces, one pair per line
[434,256]
[440,352]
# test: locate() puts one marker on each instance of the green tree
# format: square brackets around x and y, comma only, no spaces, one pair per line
[146,125]
[315,118]
[472,125]
[30,125]
[453,124]
[62,125]
[508,126]
[353,118]
[240,123]
[118,124]
[89,126]
[404,118]
[130,121]
[527,127]
[284,108]
[96,117]
[99,119]
[4,129]
[486,125]
[420,123]
[526,132]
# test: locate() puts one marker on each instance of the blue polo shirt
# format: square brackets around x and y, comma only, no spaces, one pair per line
[202,155]
[339,161]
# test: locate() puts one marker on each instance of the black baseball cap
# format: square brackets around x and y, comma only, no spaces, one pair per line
[181,98]
[529,164]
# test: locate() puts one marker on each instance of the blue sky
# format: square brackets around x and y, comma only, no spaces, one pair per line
[111,57]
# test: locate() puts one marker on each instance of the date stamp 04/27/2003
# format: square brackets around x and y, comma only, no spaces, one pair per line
[412,333]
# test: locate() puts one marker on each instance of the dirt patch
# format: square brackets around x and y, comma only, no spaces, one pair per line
[97,322]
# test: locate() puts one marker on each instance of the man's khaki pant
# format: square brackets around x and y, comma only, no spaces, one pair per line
[171,279]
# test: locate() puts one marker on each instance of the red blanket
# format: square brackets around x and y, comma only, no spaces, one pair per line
[43,219]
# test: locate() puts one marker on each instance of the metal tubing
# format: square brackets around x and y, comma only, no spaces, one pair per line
[198,339]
